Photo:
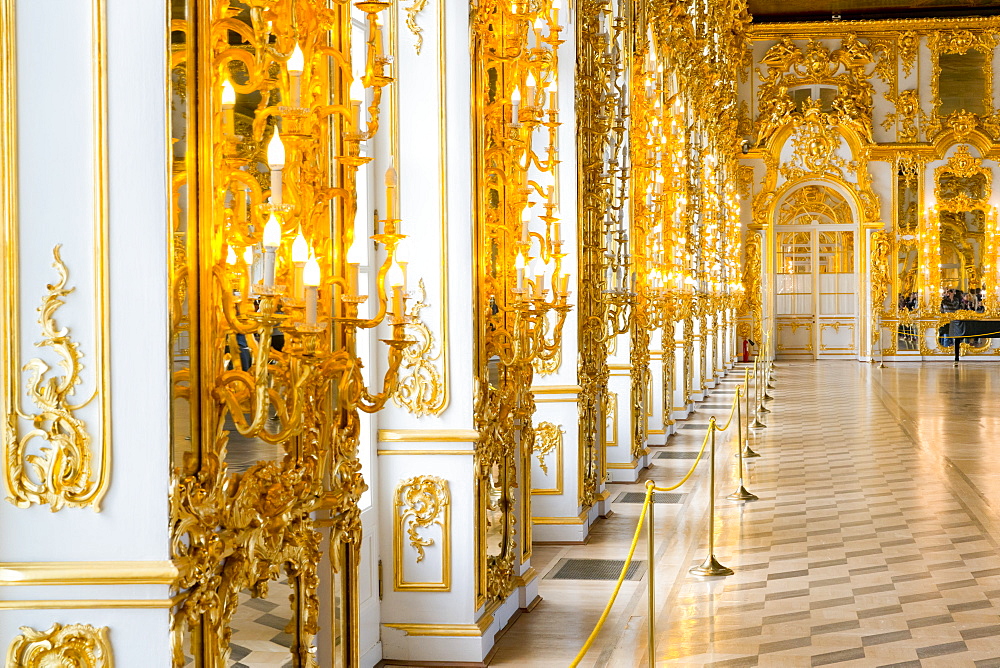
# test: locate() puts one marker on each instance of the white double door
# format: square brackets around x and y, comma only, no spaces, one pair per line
[816,291]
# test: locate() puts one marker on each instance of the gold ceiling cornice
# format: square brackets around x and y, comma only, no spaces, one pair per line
[835,29]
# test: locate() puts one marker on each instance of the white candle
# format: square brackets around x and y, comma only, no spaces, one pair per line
[276,161]
[272,240]
[357,95]
[295,65]
[391,189]
[515,104]
[397,300]
[300,255]
[311,277]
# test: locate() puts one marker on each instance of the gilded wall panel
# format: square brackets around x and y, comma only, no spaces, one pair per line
[421,534]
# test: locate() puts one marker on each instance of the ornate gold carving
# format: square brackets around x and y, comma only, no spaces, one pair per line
[744,181]
[77,645]
[907,114]
[788,66]
[548,437]
[62,474]
[420,503]
[909,44]
[610,408]
[881,279]
[412,10]
[752,303]
[963,184]
[815,143]
[421,389]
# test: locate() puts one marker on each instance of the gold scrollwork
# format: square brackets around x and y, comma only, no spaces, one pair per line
[77,645]
[411,22]
[421,389]
[421,503]
[909,44]
[62,474]
[548,441]
[908,113]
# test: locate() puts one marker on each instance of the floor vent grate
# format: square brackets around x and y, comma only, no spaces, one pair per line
[658,497]
[596,569]
[676,455]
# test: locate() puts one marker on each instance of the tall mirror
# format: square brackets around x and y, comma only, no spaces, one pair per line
[907,298]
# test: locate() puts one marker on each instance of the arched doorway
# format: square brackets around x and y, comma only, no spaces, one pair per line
[816,275]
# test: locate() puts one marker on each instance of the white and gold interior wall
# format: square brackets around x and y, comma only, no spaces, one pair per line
[870,170]
[84,558]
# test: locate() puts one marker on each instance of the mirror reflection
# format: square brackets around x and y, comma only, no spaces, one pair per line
[264,627]
[962,82]
[495,511]
[962,234]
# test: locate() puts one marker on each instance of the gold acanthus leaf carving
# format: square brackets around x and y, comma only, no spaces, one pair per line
[422,502]
[548,438]
[76,645]
[909,43]
[421,388]
[411,22]
[63,473]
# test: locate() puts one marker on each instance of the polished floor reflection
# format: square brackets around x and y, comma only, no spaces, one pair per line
[874,542]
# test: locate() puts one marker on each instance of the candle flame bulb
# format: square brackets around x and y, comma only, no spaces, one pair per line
[356,253]
[519,262]
[394,277]
[272,233]
[515,97]
[530,81]
[391,180]
[300,249]
[296,62]
[276,151]
[230,256]
[311,275]
[228,94]
[248,256]
[357,93]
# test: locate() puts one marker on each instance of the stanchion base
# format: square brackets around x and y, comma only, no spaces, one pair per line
[770,385]
[881,365]
[711,568]
[767,397]
[747,452]
[742,495]
[762,408]
[757,424]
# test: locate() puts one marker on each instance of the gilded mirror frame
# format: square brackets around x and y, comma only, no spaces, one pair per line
[958,42]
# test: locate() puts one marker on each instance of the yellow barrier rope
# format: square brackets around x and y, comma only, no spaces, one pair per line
[650,488]
[618,585]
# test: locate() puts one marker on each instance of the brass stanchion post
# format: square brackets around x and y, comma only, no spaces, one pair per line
[758,377]
[710,567]
[747,451]
[741,494]
[651,595]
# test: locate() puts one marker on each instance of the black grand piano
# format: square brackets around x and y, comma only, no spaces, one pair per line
[962,330]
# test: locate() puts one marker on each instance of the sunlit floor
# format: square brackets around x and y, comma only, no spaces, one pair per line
[874,542]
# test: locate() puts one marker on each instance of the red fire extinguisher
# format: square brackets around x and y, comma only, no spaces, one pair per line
[746,350]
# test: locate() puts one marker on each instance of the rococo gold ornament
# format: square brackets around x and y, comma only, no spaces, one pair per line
[62,474]
[77,645]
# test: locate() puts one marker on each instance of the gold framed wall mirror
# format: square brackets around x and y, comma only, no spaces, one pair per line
[267,122]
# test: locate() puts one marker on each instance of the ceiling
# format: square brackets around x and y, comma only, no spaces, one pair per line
[769,11]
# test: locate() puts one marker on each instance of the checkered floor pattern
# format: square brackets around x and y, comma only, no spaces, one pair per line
[260,630]
[863,550]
